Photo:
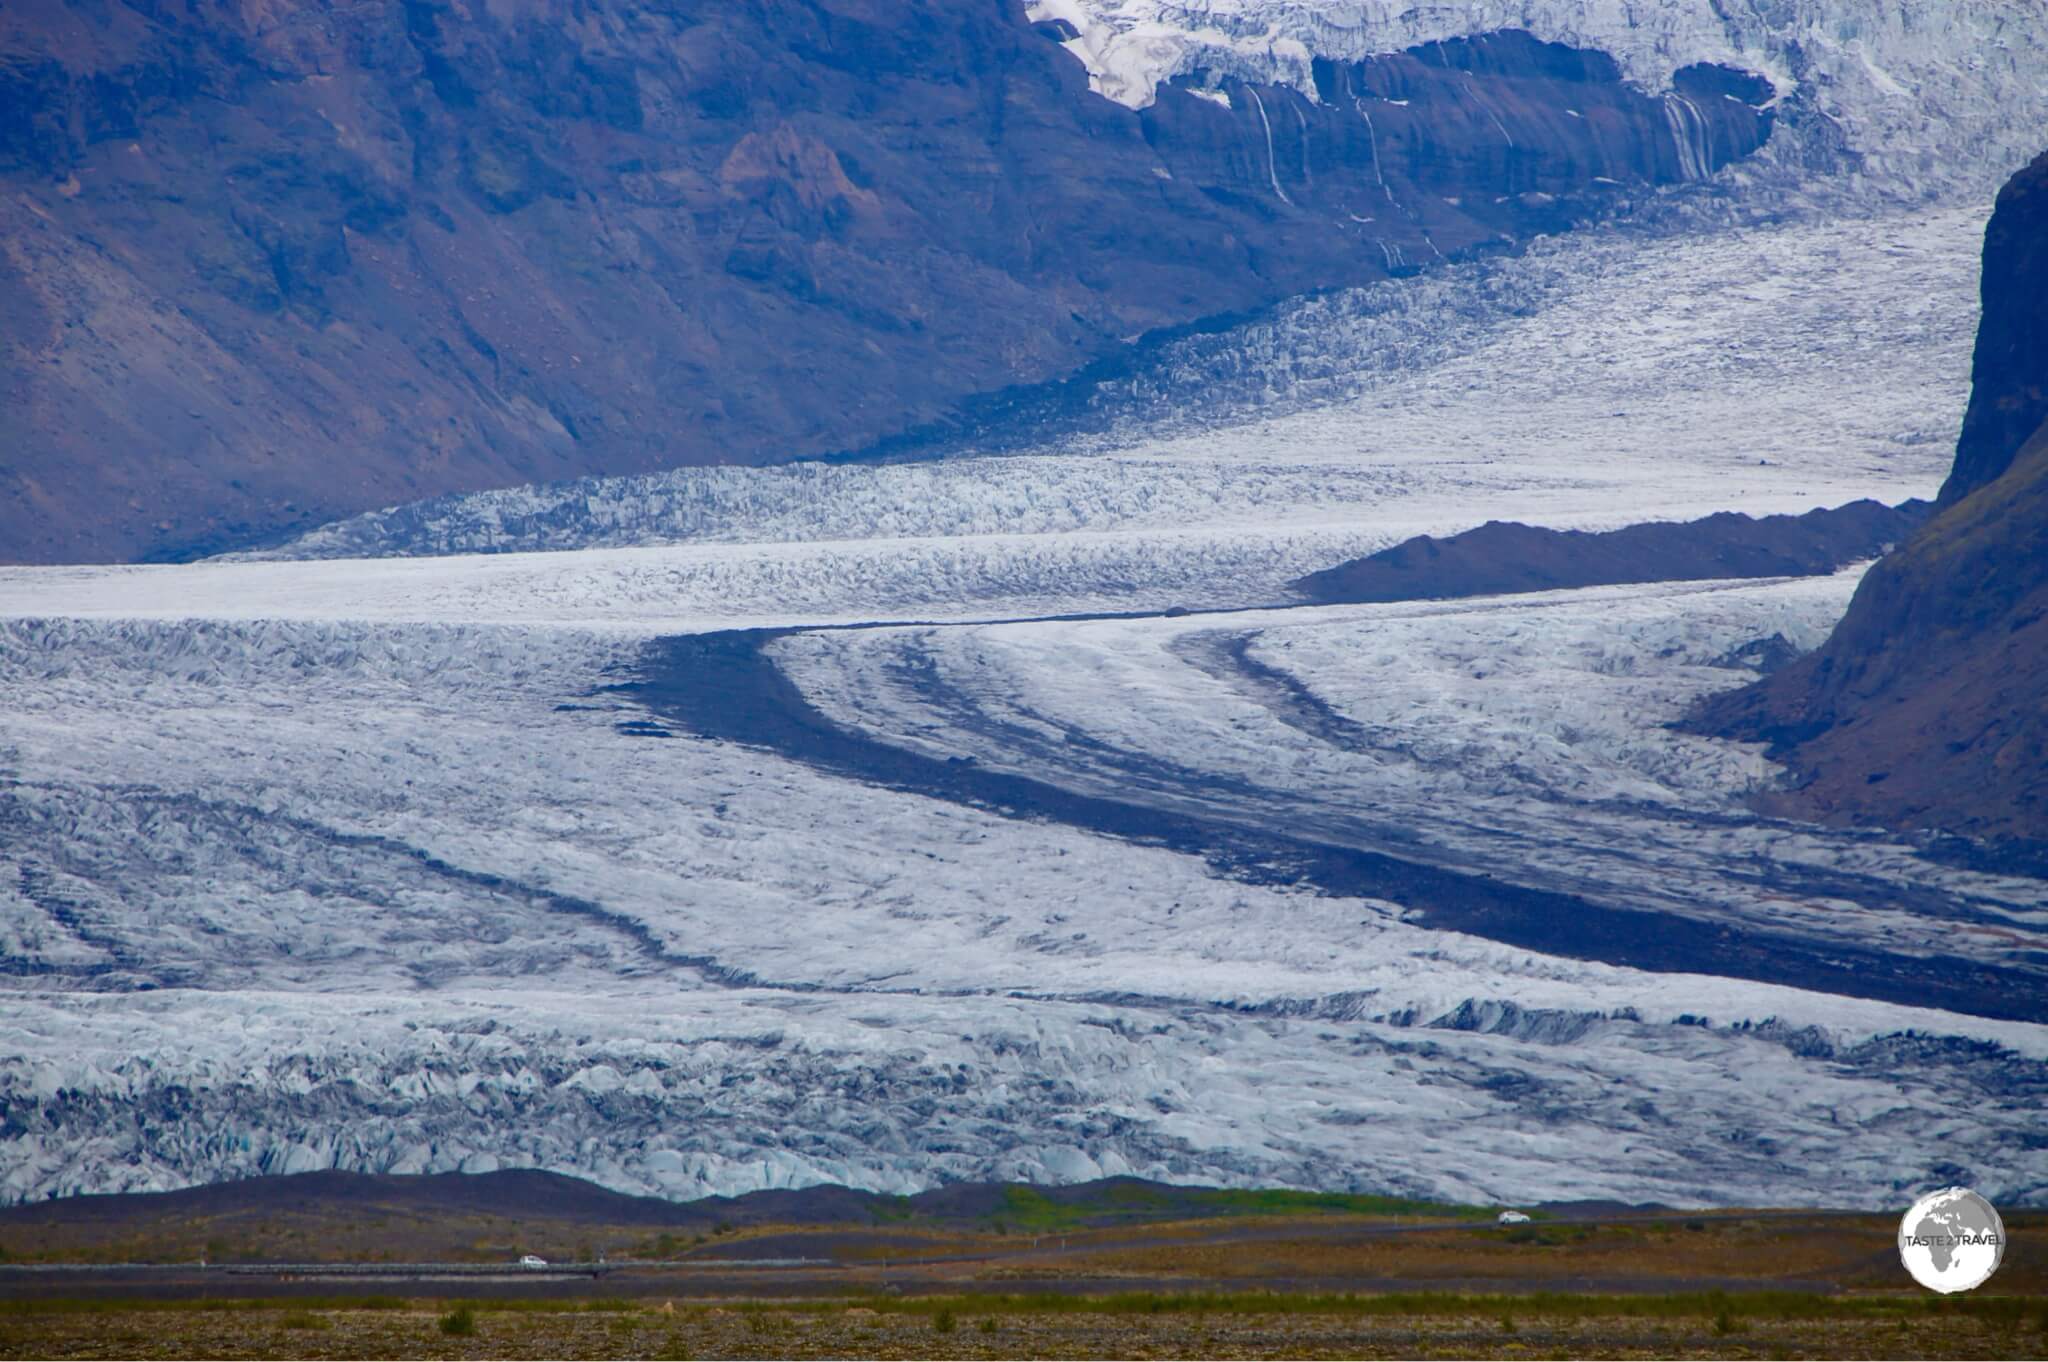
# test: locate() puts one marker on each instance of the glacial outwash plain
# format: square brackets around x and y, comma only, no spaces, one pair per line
[1081,678]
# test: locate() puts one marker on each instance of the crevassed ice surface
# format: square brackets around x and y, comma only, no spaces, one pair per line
[357,861]
[349,861]
[1521,736]
[1597,379]
[301,894]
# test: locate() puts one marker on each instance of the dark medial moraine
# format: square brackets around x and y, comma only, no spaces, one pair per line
[726,686]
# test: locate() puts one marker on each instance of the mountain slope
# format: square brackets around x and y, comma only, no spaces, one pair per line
[1928,707]
[260,268]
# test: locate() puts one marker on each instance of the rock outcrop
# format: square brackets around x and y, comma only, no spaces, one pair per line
[1928,707]
[260,267]
[1501,557]
[2009,372]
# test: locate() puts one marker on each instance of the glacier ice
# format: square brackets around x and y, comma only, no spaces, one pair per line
[1596,378]
[337,856]
[1926,96]
[405,896]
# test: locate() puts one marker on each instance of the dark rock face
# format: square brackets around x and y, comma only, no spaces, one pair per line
[1501,557]
[261,267]
[1928,707]
[2009,373]
[1458,143]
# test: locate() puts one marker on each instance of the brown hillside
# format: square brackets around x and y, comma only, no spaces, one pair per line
[264,265]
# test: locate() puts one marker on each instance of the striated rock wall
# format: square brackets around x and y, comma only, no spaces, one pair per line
[1914,97]
[1458,143]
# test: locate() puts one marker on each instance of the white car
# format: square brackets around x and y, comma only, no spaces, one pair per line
[1513,1218]
[534,1260]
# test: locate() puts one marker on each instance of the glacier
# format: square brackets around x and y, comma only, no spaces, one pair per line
[1765,368]
[361,851]
[293,894]
[1523,737]
[317,860]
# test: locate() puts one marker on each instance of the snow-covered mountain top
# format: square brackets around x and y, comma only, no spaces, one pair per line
[1953,90]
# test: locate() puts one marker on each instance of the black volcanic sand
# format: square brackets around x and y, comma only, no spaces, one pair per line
[723,686]
[1501,557]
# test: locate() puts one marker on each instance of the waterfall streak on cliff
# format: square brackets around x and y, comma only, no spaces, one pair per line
[1689,136]
[1372,141]
[1943,96]
[1502,127]
[1272,167]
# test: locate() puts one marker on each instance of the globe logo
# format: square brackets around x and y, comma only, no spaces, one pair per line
[1951,1240]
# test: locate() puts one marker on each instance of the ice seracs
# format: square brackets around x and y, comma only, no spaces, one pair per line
[1920,94]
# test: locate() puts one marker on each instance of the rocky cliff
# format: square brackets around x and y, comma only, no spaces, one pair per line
[1928,707]
[1920,98]
[262,265]
[2009,372]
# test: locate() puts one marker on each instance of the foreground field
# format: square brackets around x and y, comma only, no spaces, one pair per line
[324,1234]
[1138,1326]
[334,1265]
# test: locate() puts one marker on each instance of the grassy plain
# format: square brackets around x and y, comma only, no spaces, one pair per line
[983,1326]
[354,1267]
